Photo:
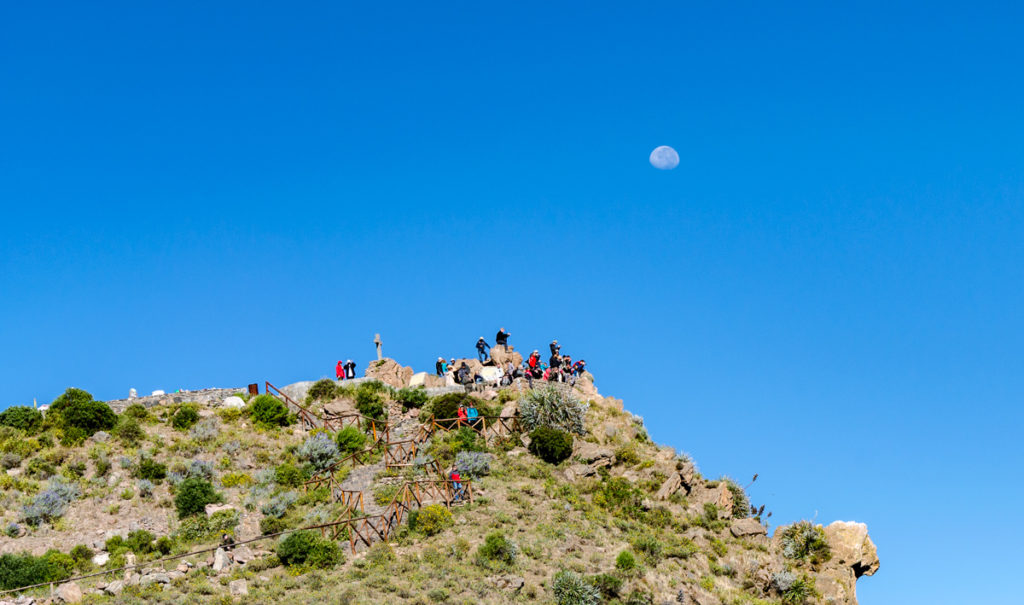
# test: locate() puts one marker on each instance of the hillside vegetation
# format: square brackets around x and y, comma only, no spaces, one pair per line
[571,503]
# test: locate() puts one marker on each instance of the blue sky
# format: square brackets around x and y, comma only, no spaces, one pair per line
[826,291]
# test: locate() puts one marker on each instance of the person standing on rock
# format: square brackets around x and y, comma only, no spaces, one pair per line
[339,370]
[350,369]
[501,340]
[482,349]
[441,366]
[555,347]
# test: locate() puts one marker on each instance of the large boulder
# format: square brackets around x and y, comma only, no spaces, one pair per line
[500,357]
[68,593]
[852,547]
[389,372]
[742,528]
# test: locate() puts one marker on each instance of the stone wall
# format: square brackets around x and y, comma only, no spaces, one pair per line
[211,397]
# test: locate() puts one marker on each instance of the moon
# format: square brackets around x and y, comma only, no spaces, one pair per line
[664,158]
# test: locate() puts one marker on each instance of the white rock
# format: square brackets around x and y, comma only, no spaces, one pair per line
[233,401]
[216,508]
[418,379]
[101,559]
[157,393]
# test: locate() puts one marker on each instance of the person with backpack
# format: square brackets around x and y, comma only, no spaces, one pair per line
[501,340]
[482,349]
[350,369]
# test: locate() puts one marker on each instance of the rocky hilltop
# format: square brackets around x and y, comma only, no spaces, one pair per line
[328,492]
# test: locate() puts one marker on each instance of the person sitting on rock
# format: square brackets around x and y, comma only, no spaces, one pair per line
[501,340]
[482,349]
[462,415]
[579,367]
[463,376]
[339,370]
[350,369]
[534,359]
[555,361]
[566,362]
[441,366]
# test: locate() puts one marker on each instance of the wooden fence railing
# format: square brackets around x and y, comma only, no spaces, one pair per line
[367,529]
[309,419]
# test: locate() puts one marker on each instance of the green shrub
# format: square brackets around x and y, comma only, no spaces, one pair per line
[552,408]
[380,554]
[140,541]
[607,584]
[81,553]
[627,454]
[325,554]
[151,470]
[550,445]
[185,416]
[289,475]
[497,549]
[268,411]
[350,439]
[22,417]
[369,401]
[272,525]
[296,547]
[571,589]
[88,417]
[324,389]
[128,431]
[649,547]
[193,495]
[433,519]
[69,397]
[164,545]
[25,570]
[625,561]
[806,542]
[136,411]
[411,398]
[236,480]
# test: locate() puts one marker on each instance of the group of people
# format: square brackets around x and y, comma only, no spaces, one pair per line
[559,368]
[345,371]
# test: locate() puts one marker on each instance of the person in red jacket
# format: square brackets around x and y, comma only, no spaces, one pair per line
[463,417]
[339,370]
[534,359]
[456,480]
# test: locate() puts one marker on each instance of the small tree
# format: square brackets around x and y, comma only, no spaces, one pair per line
[22,417]
[193,495]
[89,416]
[268,411]
[550,445]
[185,416]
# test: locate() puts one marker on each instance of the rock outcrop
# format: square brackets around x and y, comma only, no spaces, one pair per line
[389,372]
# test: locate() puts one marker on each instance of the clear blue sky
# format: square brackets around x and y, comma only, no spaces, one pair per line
[827,291]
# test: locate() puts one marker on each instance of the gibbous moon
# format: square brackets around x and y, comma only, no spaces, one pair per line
[664,158]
